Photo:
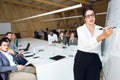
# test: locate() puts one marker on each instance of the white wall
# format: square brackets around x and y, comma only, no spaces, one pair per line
[5,27]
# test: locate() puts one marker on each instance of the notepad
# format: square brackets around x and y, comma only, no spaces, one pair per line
[28,54]
[57,57]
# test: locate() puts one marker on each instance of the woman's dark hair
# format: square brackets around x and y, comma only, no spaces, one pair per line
[85,9]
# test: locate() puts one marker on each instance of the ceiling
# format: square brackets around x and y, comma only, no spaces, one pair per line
[50,5]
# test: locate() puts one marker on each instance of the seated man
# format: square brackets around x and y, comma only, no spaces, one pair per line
[12,43]
[8,63]
[52,38]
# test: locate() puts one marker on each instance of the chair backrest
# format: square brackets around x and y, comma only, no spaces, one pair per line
[18,35]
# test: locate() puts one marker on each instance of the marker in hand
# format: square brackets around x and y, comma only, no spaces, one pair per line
[104,28]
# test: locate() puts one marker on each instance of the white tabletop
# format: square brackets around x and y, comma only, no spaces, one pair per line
[48,69]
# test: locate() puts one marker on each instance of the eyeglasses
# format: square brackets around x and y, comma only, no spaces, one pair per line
[5,45]
[90,16]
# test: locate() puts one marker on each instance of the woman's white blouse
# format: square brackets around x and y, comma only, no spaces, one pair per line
[86,42]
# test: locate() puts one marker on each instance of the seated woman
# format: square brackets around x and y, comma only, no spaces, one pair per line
[72,40]
[62,39]
[14,39]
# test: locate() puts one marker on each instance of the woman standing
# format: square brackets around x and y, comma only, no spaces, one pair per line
[87,64]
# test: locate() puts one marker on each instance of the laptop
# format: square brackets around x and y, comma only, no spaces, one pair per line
[27,47]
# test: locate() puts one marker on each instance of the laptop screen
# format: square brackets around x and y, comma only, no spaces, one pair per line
[28,45]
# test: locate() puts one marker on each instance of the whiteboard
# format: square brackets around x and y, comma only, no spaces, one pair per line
[5,27]
[112,44]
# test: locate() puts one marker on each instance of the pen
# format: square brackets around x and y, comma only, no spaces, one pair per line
[104,28]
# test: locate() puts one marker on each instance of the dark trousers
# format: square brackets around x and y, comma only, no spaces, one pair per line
[87,66]
[1,78]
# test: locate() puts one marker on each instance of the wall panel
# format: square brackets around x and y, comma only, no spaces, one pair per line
[10,12]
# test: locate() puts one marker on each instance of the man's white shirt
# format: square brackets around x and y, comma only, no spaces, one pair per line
[52,38]
[9,57]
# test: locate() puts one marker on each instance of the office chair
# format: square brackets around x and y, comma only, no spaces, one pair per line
[18,35]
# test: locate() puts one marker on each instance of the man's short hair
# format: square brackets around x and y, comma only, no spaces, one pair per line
[8,33]
[4,39]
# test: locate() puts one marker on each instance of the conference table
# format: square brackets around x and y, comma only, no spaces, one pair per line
[46,68]
[62,69]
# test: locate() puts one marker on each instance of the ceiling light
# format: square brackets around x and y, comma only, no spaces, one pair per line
[71,17]
[51,12]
